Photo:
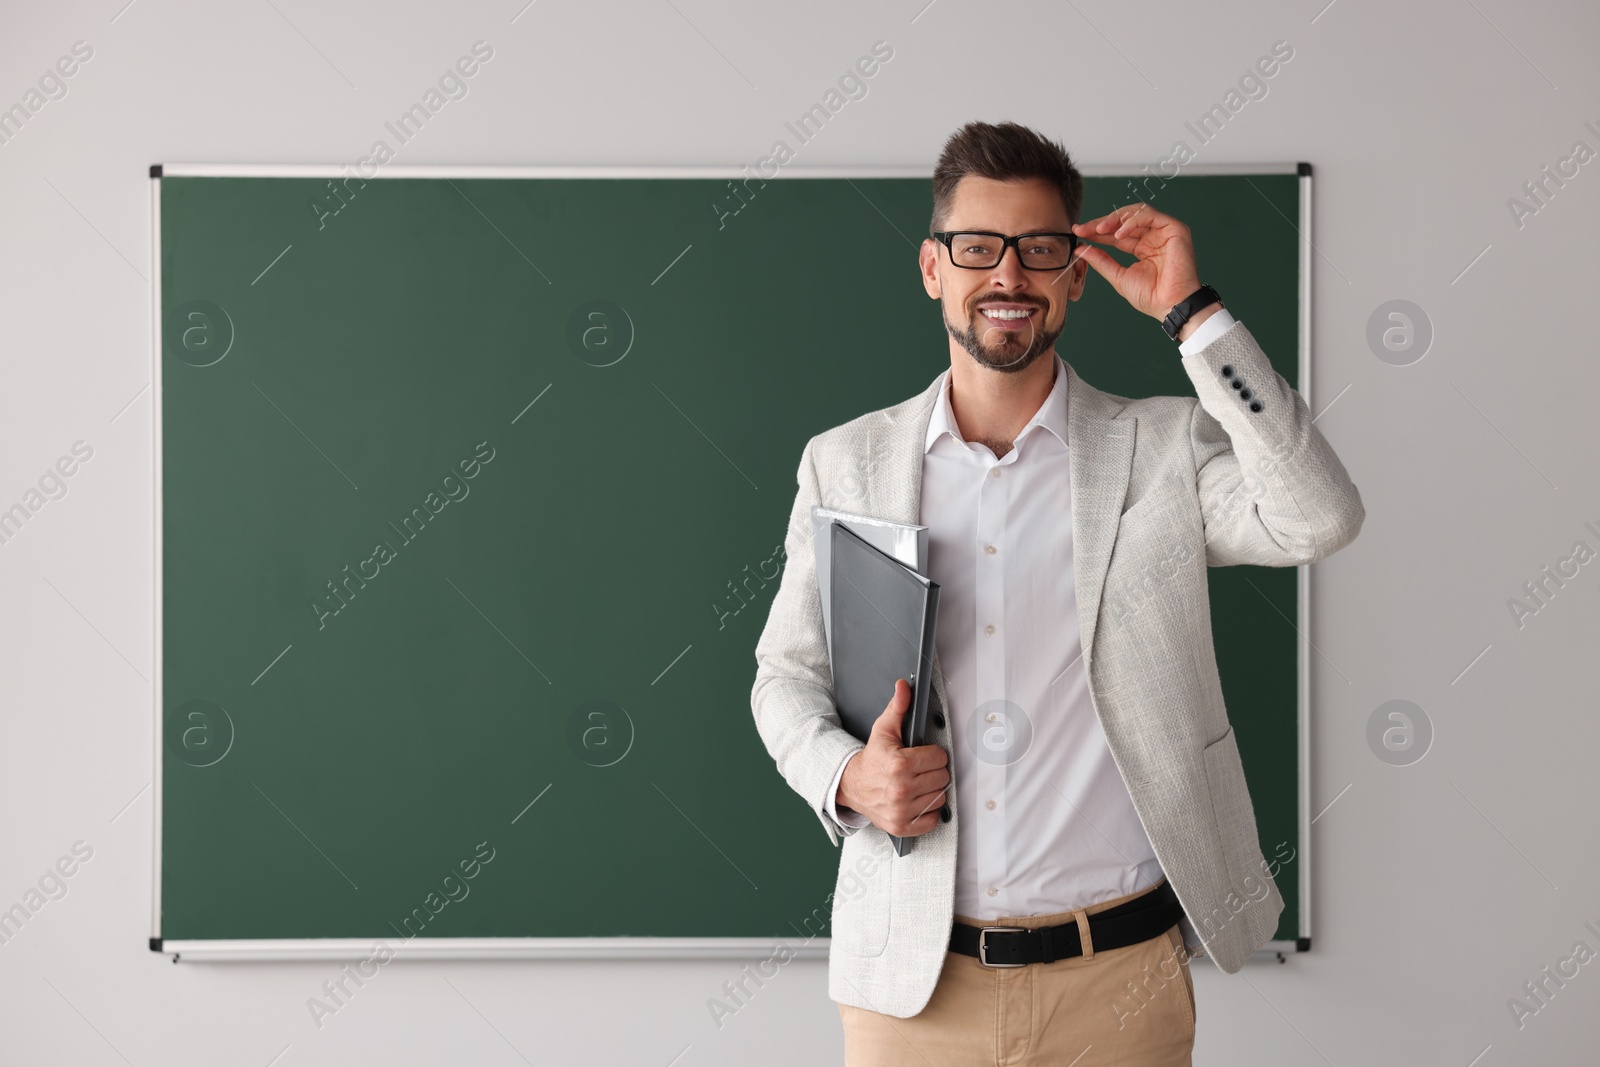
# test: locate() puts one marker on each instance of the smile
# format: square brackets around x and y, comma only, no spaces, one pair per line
[1008,317]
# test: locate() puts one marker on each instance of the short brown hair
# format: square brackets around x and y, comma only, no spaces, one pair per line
[1004,152]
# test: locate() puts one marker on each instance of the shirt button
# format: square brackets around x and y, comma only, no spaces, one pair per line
[989,549]
[989,804]
[993,891]
[994,473]
[989,629]
[989,717]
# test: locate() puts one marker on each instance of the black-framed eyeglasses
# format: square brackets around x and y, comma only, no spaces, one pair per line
[983,249]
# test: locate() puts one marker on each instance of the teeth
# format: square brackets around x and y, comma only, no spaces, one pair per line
[1000,313]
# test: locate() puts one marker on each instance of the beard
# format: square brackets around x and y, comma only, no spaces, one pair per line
[1007,351]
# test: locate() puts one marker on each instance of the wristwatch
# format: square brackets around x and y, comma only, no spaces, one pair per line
[1181,312]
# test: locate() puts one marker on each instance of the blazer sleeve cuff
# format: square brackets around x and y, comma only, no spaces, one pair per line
[1214,327]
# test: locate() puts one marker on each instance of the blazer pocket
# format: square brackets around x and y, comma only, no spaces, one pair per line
[1231,807]
[1153,498]
[863,893]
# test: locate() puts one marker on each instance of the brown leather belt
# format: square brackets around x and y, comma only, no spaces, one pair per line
[1128,923]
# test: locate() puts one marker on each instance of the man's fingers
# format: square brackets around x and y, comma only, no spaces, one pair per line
[1098,224]
[1117,217]
[918,826]
[929,782]
[1138,220]
[1103,263]
[926,815]
[1126,230]
[1124,239]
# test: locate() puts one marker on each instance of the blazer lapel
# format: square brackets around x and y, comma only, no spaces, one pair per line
[1100,459]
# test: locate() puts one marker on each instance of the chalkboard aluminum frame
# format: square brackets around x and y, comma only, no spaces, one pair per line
[650,947]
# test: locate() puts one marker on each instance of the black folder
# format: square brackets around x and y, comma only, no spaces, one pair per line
[883,619]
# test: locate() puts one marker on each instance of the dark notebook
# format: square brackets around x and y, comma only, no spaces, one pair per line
[883,618]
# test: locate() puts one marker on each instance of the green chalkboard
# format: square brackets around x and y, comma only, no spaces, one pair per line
[458,478]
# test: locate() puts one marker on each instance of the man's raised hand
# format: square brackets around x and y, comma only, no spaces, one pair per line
[1164,270]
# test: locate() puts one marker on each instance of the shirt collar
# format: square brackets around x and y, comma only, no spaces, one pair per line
[1052,414]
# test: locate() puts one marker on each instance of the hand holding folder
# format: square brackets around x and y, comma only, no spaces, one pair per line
[882,627]
[876,771]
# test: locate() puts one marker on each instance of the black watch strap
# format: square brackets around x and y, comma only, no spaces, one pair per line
[1181,312]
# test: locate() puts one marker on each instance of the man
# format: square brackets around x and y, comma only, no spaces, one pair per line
[1082,820]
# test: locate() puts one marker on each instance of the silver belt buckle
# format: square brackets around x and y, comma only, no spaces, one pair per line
[983,946]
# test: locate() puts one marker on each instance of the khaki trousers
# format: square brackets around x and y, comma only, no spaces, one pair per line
[1125,1006]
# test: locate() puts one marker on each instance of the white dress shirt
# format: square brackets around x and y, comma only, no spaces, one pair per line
[1047,822]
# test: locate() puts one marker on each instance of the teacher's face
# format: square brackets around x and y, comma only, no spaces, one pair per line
[1007,316]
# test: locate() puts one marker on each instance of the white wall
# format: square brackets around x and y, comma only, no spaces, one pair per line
[1441,887]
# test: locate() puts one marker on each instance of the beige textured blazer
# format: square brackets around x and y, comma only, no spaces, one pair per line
[1161,488]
